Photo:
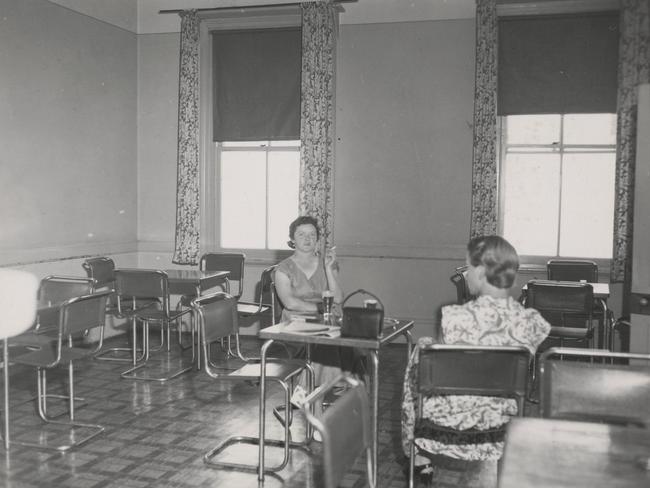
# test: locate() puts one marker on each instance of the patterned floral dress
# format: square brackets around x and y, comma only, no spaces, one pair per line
[486,321]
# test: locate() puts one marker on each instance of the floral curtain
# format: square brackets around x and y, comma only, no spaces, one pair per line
[484,162]
[187,185]
[633,69]
[319,31]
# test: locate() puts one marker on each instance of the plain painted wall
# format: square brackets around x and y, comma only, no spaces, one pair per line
[68,125]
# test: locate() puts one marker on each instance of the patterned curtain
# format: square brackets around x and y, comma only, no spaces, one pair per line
[484,161]
[319,30]
[187,180]
[633,69]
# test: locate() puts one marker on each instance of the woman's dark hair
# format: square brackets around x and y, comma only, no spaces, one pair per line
[302,220]
[497,256]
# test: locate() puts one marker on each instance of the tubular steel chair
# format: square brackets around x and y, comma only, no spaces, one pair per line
[217,317]
[266,303]
[460,282]
[596,391]
[18,291]
[443,369]
[131,284]
[572,270]
[226,261]
[344,427]
[567,306]
[76,315]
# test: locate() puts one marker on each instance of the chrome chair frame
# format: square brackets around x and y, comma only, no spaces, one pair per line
[598,390]
[460,282]
[75,316]
[445,369]
[217,317]
[132,284]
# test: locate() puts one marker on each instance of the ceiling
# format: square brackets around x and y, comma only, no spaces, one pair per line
[143,17]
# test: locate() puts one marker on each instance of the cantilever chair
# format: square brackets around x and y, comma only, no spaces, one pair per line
[266,303]
[344,427]
[567,306]
[598,390]
[443,369]
[76,315]
[217,318]
[226,261]
[131,284]
[18,291]
[460,282]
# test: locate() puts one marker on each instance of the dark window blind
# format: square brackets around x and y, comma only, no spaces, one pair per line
[558,64]
[256,77]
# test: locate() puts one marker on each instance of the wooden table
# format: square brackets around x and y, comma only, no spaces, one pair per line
[278,333]
[559,453]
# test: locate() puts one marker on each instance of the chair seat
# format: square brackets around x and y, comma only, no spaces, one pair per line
[45,356]
[251,308]
[570,332]
[36,339]
[150,314]
[274,370]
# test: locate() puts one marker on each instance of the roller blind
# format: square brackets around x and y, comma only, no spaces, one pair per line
[558,64]
[256,77]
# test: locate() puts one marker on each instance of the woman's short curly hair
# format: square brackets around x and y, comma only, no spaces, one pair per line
[302,220]
[497,256]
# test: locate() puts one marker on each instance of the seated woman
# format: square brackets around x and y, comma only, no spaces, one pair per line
[492,319]
[300,281]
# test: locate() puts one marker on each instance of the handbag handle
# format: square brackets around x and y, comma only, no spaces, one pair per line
[365,292]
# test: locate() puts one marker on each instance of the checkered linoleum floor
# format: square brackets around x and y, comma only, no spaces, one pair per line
[156,434]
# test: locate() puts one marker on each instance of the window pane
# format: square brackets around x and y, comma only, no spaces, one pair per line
[284,171]
[531,198]
[533,129]
[285,143]
[587,205]
[243,199]
[590,129]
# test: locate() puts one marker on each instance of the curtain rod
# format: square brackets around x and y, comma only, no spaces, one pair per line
[231,7]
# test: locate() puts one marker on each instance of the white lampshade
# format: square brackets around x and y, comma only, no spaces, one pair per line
[18,294]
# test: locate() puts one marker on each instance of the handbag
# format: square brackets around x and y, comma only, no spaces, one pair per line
[362,322]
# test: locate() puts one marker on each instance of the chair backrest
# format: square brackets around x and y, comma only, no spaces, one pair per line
[131,284]
[460,282]
[226,261]
[268,297]
[597,390]
[217,318]
[101,270]
[572,270]
[557,299]
[54,290]
[446,369]
[345,429]
[18,294]
[84,313]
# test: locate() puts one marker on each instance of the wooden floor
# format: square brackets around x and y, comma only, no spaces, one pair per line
[156,434]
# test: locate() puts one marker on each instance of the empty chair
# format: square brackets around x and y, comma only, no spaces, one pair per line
[597,390]
[75,315]
[266,303]
[226,261]
[492,371]
[572,270]
[217,318]
[18,290]
[460,282]
[344,428]
[131,284]
[567,306]
[54,290]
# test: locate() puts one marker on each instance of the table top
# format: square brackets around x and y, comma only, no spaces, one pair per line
[560,453]
[601,290]
[391,332]
[194,275]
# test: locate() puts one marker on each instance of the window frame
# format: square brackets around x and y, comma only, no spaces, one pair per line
[533,262]
[237,18]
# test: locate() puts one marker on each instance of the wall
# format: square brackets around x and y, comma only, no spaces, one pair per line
[68,143]
[403,169]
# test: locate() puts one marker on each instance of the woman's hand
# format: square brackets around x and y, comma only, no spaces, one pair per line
[330,257]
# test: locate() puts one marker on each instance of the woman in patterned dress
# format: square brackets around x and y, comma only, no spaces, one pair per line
[492,319]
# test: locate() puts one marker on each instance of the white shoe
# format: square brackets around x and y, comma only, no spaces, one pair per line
[317,436]
[298,396]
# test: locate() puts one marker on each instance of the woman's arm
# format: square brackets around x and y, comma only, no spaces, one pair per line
[332,273]
[288,299]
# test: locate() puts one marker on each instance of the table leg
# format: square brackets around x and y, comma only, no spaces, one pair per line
[262,410]
[5,367]
[606,332]
[374,356]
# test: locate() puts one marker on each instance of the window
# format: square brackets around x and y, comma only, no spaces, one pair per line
[557,176]
[258,192]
